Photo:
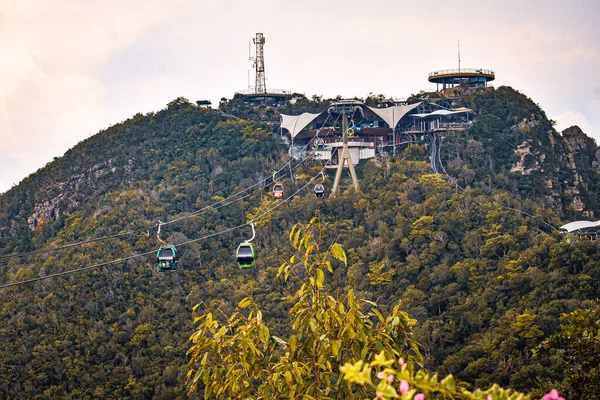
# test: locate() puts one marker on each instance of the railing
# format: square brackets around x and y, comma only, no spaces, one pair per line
[338,142]
[462,71]
[456,124]
[341,140]
[268,92]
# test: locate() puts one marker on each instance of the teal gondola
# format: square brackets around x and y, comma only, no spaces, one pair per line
[166,258]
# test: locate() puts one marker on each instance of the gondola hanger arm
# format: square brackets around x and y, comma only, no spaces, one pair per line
[253,232]
[160,223]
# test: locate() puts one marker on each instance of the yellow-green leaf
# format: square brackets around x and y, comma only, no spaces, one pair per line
[320,278]
[296,237]
[244,303]
[338,252]
[449,383]
[329,267]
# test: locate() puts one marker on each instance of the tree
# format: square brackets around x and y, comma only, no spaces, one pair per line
[323,358]
[241,358]
[578,344]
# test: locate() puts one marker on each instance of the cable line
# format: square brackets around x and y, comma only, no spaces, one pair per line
[119,260]
[437,150]
[71,271]
[229,200]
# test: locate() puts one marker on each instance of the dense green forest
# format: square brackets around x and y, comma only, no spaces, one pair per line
[485,284]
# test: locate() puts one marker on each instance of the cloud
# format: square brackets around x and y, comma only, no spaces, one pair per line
[569,118]
[71,68]
[51,95]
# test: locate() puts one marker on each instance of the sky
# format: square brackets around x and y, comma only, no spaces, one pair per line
[70,68]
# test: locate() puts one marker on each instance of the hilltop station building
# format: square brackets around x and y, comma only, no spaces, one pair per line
[374,129]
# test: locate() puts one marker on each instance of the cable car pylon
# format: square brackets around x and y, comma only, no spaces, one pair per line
[343,158]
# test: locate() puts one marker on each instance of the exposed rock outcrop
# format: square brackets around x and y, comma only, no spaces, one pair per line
[64,197]
[528,161]
[578,143]
[525,125]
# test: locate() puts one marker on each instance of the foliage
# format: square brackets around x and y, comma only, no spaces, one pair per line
[482,280]
[578,345]
[414,384]
[241,358]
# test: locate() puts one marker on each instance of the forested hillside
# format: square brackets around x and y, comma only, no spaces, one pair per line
[486,283]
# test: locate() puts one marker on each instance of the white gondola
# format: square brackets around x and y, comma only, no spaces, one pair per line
[319,191]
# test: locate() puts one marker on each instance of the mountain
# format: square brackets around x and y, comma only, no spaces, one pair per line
[512,146]
[485,282]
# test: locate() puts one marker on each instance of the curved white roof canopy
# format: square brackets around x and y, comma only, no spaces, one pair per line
[392,115]
[579,225]
[295,123]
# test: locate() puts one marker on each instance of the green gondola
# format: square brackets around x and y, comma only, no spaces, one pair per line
[245,255]
[166,258]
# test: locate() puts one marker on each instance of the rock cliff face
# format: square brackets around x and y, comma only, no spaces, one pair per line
[522,153]
[576,139]
[582,153]
[528,161]
[63,197]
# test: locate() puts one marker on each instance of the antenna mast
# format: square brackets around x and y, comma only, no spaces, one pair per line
[259,64]
[251,59]
[459,55]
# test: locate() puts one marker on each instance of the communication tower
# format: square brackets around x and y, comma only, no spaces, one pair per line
[258,93]
[259,64]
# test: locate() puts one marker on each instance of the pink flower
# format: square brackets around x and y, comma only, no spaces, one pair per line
[390,378]
[553,395]
[380,375]
[403,386]
[490,397]
[419,396]
[401,361]
[379,395]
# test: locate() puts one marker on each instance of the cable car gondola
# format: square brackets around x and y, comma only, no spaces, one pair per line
[319,191]
[278,191]
[350,133]
[166,258]
[245,255]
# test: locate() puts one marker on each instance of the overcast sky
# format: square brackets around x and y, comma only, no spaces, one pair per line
[69,68]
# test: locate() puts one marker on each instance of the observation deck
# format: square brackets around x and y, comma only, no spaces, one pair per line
[268,93]
[270,97]
[469,77]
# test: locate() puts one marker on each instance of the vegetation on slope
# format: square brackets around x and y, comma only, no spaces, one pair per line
[485,284]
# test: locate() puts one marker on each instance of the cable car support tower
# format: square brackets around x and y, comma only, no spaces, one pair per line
[345,155]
